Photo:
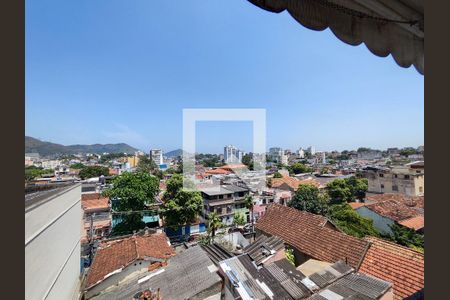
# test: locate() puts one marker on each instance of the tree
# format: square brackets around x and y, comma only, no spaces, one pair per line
[298,168]
[407,237]
[134,191]
[358,187]
[131,193]
[238,219]
[146,164]
[32,172]
[339,191]
[248,202]
[77,166]
[350,222]
[277,175]
[180,206]
[93,171]
[214,223]
[247,160]
[308,198]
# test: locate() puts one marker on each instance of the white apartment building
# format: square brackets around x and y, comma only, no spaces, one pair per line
[232,154]
[157,156]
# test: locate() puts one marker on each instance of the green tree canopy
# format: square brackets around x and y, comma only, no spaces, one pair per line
[214,223]
[239,219]
[277,175]
[77,166]
[407,237]
[308,198]
[146,164]
[298,168]
[339,191]
[93,171]
[358,187]
[32,172]
[247,160]
[180,206]
[133,191]
[350,222]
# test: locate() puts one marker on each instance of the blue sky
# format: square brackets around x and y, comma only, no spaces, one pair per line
[110,71]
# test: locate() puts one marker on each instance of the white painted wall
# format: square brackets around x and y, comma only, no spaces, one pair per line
[52,248]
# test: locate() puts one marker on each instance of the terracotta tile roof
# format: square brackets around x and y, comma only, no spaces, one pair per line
[117,254]
[417,201]
[95,204]
[217,172]
[355,205]
[415,223]
[308,234]
[393,210]
[400,265]
[91,196]
[293,183]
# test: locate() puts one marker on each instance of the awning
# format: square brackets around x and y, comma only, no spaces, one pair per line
[386,27]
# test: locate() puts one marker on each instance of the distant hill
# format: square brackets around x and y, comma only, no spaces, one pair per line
[174,153]
[48,149]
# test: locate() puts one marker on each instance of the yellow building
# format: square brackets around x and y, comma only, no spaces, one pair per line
[133,161]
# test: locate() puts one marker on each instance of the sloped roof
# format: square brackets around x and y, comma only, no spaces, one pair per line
[393,210]
[415,223]
[292,183]
[385,27]
[114,255]
[400,265]
[95,204]
[188,275]
[307,233]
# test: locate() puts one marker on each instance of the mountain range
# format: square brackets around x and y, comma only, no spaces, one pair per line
[50,149]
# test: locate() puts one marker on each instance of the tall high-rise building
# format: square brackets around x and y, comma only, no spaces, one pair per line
[301,153]
[157,156]
[231,154]
[311,150]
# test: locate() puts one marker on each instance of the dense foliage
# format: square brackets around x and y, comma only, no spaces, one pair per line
[277,175]
[146,164]
[93,171]
[131,193]
[180,206]
[299,168]
[346,190]
[77,166]
[32,172]
[407,237]
[350,222]
[133,190]
[308,198]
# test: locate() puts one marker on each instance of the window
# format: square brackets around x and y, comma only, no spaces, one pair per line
[420,189]
[406,176]
[382,186]
[381,175]
[418,171]
[395,188]
[395,175]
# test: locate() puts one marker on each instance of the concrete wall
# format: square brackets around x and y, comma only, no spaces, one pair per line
[379,222]
[52,247]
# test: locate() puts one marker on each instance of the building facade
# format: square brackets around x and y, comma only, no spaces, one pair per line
[232,154]
[408,179]
[52,243]
[157,156]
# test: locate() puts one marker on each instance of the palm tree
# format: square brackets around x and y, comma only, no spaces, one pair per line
[214,223]
[248,202]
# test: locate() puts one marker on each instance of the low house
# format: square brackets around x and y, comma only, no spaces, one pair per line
[119,259]
[388,209]
[96,215]
[188,275]
[309,238]
[288,183]
[280,280]
[400,265]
